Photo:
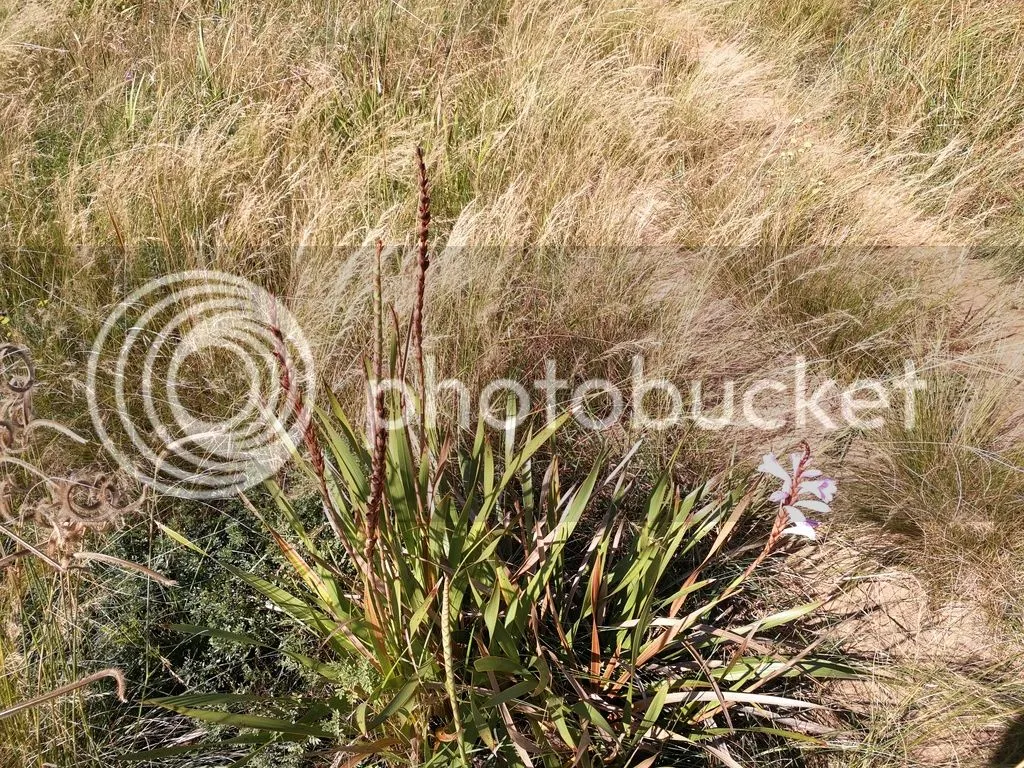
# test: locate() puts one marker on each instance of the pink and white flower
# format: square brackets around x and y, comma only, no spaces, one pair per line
[802,489]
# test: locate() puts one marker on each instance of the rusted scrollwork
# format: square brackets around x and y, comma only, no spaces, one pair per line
[64,508]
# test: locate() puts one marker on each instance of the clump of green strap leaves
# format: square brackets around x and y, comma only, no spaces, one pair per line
[505,613]
[494,624]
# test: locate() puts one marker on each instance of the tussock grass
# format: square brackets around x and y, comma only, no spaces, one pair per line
[237,141]
[953,484]
[926,95]
[931,87]
[932,716]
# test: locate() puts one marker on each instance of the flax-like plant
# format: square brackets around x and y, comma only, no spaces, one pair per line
[505,613]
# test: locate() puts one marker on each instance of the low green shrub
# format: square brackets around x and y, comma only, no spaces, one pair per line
[132,625]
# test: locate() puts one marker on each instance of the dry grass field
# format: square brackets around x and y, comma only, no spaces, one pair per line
[718,186]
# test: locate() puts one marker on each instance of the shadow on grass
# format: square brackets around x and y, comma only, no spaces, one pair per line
[1010,753]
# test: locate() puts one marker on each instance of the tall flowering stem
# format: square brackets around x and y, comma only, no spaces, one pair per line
[797,485]
[296,403]
[309,435]
[379,460]
[423,263]
[787,495]
[379,420]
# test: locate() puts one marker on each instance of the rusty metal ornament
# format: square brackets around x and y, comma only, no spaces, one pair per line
[64,508]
